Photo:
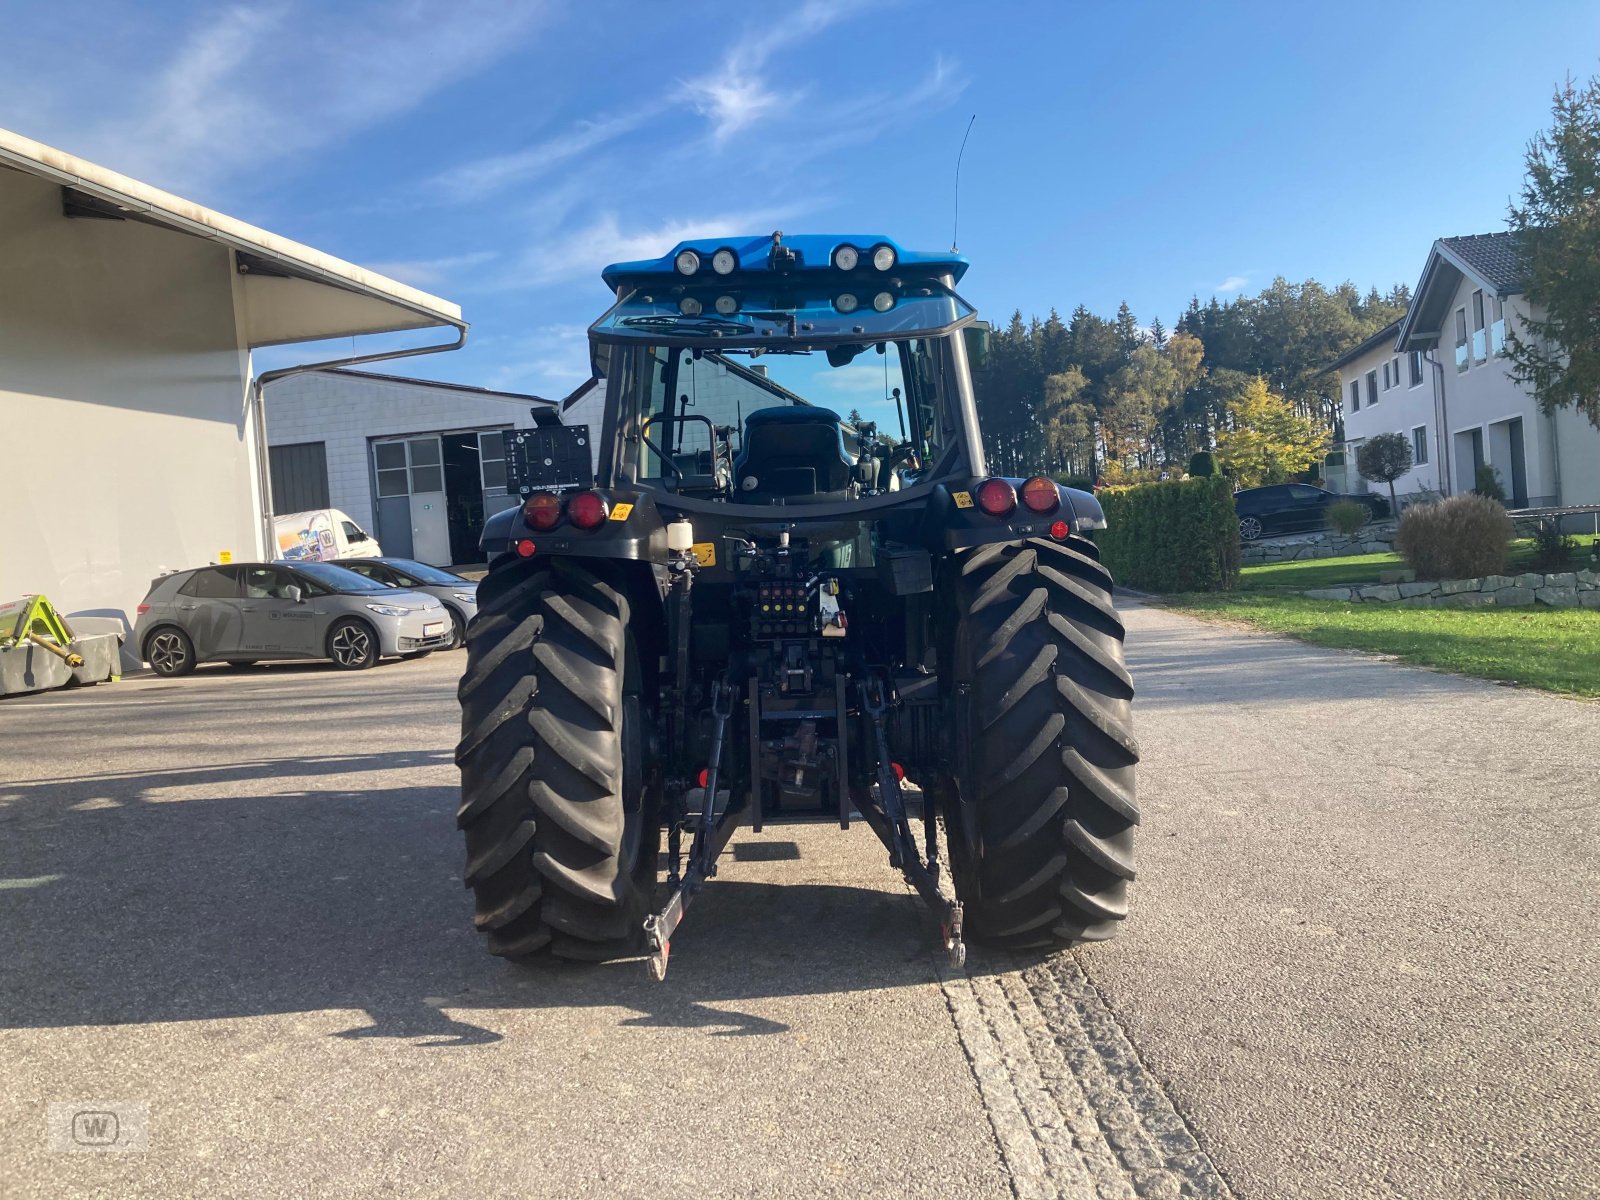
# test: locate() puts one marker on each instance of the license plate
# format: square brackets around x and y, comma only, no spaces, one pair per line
[433,629]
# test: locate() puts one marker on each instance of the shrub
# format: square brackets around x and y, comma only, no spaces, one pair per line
[1348,516]
[1552,549]
[1459,538]
[1203,464]
[1486,483]
[1179,536]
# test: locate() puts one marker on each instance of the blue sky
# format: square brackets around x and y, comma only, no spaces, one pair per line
[499,153]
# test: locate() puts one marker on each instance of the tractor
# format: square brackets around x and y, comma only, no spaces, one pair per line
[730,605]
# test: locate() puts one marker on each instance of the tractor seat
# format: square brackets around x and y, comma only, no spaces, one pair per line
[792,452]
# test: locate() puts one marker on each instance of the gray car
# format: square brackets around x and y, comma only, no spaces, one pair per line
[458,595]
[245,612]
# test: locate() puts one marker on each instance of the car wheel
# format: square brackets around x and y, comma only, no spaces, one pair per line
[458,631]
[352,645]
[169,652]
[1249,528]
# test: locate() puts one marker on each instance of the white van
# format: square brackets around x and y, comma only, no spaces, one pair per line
[321,534]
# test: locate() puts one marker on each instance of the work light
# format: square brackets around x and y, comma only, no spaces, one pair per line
[687,262]
[846,258]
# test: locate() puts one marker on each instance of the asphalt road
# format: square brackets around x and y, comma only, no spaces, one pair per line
[1361,963]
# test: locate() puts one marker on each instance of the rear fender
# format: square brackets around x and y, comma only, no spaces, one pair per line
[955,522]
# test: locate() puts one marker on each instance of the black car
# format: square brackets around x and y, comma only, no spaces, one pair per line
[1293,507]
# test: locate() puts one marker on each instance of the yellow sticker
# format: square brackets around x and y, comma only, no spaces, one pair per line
[962,499]
[225,556]
[705,553]
[621,512]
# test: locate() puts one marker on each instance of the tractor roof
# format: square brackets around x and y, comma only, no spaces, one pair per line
[812,252]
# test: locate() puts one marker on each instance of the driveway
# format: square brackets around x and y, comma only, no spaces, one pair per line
[1360,963]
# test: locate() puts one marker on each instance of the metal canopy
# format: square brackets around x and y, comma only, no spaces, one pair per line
[291,292]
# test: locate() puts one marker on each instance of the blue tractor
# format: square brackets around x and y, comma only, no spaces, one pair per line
[730,604]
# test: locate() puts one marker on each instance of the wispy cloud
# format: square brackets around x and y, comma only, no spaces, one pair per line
[486,176]
[1232,283]
[553,358]
[250,85]
[737,93]
[430,272]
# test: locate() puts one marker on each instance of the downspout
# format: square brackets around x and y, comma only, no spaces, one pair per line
[1448,475]
[258,387]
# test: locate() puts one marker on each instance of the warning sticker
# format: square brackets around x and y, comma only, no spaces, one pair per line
[705,553]
[621,512]
[962,499]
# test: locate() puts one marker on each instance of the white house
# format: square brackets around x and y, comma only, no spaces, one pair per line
[419,464]
[1440,377]
[129,421]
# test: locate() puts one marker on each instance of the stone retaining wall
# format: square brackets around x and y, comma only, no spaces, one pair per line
[1377,538]
[1565,589]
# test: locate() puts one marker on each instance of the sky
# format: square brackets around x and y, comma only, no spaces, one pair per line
[498,153]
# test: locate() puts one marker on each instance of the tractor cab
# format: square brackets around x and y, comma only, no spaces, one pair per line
[732,363]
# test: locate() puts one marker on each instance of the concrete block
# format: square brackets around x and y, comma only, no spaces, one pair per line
[1454,587]
[1558,597]
[1410,589]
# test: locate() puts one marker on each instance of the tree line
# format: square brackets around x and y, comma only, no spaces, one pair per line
[1107,397]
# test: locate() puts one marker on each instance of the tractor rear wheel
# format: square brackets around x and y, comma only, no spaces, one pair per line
[1045,854]
[561,835]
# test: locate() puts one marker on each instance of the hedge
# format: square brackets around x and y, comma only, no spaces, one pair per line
[1181,536]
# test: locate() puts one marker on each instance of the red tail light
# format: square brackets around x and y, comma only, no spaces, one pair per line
[1059,530]
[704,777]
[997,498]
[526,548]
[588,510]
[1041,495]
[542,510]
[141,610]
[899,771]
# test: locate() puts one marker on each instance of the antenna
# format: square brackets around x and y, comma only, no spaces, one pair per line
[955,224]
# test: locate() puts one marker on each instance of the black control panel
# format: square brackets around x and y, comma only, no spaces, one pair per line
[782,610]
[547,457]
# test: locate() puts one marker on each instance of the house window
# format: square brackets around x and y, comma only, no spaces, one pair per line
[1372,388]
[1461,339]
[1394,364]
[1416,368]
[1419,445]
[1480,340]
[1497,331]
[1386,375]
[492,460]
[1355,395]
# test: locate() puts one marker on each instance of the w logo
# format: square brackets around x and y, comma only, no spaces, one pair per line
[95,1128]
[106,1126]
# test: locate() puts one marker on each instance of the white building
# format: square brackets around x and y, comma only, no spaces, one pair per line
[420,465]
[127,320]
[1439,376]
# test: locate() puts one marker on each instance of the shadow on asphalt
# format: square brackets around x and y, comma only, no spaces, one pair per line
[141,897]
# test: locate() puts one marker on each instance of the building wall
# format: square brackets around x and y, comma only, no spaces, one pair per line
[1400,409]
[123,395]
[348,411]
[1579,444]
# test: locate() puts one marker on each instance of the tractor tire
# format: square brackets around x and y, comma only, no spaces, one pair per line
[561,832]
[1044,855]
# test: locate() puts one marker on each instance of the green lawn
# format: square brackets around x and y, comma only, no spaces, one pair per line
[1365,568]
[1318,572]
[1555,649]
